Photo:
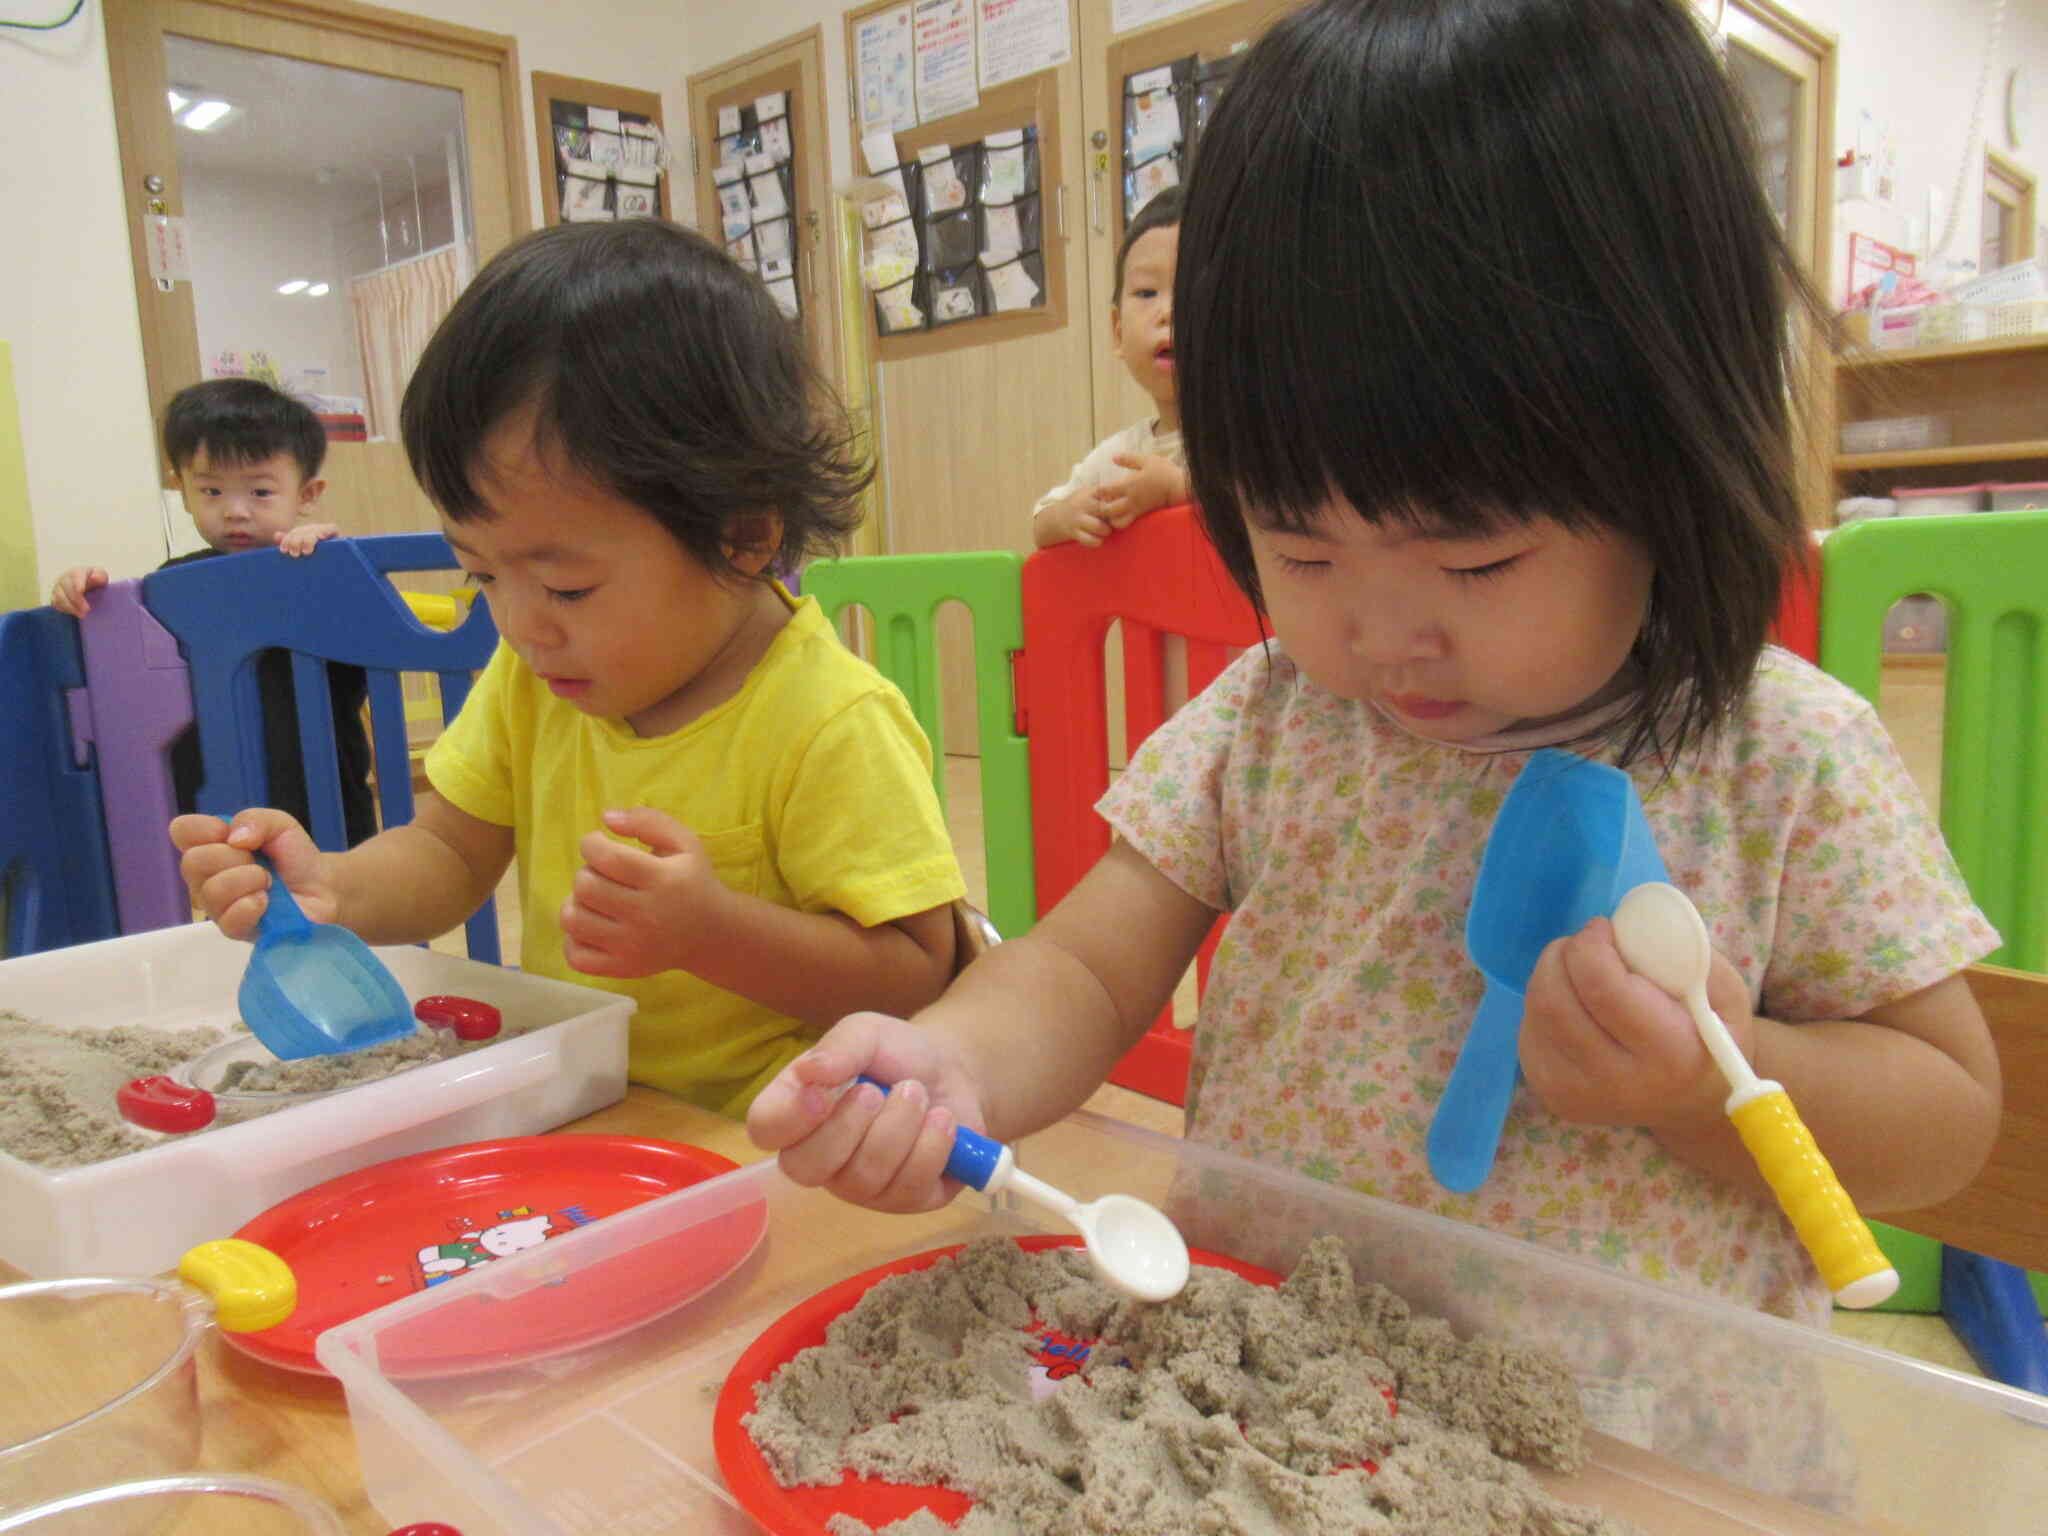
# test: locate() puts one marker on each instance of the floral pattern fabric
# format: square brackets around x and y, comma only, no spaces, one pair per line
[1346,850]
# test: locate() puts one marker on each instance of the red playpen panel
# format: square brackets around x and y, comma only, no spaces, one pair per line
[1158,578]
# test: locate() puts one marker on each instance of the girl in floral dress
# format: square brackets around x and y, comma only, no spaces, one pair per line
[1482,337]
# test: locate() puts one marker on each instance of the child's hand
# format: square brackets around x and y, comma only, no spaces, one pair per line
[220,869]
[1077,520]
[628,907]
[888,1154]
[301,540]
[1603,1046]
[68,595]
[1154,481]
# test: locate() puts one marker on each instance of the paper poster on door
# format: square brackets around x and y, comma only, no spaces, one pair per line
[943,34]
[882,70]
[1021,37]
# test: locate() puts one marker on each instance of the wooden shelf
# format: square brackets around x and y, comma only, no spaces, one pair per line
[1871,357]
[1954,453]
[1991,396]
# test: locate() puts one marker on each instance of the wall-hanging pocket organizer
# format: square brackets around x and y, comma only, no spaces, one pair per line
[756,182]
[955,234]
[1166,109]
[607,163]
[1158,108]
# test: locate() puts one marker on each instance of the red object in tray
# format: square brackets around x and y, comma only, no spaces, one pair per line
[804,1511]
[400,1227]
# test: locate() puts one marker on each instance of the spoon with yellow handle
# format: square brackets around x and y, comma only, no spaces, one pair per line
[1662,939]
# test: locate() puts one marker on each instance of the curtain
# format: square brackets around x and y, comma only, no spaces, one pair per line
[396,309]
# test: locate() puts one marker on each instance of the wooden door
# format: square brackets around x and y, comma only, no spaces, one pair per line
[1213,32]
[970,431]
[1784,67]
[370,487]
[794,66]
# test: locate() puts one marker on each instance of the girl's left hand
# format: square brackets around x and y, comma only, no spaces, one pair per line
[1603,1046]
[628,907]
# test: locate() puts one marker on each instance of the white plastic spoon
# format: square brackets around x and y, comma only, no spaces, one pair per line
[1133,1247]
[1662,939]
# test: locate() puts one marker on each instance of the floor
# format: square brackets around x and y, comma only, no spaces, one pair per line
[1911,707]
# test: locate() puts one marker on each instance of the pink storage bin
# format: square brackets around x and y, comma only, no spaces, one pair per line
[1925,501]
[2019,496]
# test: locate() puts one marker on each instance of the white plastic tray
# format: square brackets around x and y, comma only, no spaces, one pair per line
[618,1438]
[139,1213]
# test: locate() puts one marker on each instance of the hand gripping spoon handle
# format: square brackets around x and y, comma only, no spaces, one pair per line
[1662,939]
[1133,1246]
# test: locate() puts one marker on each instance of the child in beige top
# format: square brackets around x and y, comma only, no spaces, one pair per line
[1140,468]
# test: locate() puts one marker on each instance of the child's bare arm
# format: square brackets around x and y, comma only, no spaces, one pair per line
[1020,1039]
[1153,481]
[1076,519]
[406,884]
[1904,1102]
[637,910]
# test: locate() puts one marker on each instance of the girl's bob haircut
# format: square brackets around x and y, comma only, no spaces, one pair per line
[654,367]
[1461,264]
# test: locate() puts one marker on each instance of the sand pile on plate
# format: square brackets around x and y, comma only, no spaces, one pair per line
[1233,1408]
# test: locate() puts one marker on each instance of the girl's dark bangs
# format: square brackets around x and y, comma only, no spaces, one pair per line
[1377,342]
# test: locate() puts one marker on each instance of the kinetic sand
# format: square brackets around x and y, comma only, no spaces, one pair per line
[1317,1407]
[57,1086]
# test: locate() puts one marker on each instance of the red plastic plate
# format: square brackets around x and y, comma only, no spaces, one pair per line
[804,1511]
[388,1231]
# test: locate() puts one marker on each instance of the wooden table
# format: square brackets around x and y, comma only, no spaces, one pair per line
[262,1420]
[275,1423]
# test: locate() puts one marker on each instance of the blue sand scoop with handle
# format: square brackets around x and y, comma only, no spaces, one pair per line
[1570,841]
[314,989]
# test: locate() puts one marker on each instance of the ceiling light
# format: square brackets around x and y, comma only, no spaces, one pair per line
[203,115]
[317,291]
[293,286]
[178,102]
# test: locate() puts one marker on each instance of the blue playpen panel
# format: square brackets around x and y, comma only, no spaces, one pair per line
[56,882]
[335,604]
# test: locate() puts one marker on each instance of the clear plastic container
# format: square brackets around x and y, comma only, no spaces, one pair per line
[125,1403]
[1713,1419]
[137,1214]
[215,1505]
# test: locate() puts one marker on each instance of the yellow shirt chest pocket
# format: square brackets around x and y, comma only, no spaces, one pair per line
[739,857]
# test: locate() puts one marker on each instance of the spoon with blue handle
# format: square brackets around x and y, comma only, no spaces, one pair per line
[1133,1246]
[314,989]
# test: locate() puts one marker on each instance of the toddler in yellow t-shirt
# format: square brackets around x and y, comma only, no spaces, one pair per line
[716,809]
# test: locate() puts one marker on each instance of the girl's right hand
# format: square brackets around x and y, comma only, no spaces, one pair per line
[219,865]
[885,1153]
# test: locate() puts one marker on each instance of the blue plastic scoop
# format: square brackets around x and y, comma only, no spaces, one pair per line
[1570,841]
[314,989]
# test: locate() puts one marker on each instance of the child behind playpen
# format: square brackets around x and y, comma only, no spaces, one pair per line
[247,459]
[1139,468]
[716,809]
[1482,329]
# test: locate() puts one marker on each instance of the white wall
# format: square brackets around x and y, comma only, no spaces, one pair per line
[66,292]
[250,233]
[1913,65]
[67,297]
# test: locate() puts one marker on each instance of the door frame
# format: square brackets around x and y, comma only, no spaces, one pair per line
[143,139]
